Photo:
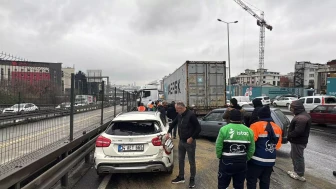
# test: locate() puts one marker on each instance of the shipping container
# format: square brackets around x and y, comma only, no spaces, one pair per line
[331,86]
[199,84]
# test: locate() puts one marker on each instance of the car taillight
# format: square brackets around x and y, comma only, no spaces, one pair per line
[103,142]
[156,141]
[322,100]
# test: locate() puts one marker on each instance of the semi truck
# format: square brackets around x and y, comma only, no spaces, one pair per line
[201,85]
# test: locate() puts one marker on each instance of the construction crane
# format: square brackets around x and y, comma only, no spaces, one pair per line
[262,23]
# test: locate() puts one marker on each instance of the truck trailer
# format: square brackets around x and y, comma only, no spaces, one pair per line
[201,85]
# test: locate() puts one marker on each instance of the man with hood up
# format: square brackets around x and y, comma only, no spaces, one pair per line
[257,106]
[234,106]
[267,137]
[298,135]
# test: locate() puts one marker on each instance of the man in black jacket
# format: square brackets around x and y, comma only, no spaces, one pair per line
[298,135]
[188,130]
[171,114]
[254,117]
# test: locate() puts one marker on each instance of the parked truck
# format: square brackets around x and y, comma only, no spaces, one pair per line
[199,84]
[83,100]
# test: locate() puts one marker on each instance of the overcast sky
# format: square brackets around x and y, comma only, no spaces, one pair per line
[143,40]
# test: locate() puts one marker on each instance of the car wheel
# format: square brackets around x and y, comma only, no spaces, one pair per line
[287,105]
[101,175]
[274,104]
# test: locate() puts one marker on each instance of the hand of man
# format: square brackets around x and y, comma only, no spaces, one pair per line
[190,140]
[167,136]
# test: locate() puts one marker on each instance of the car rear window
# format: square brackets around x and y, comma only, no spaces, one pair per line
[330,100]
[266,98]
[319,109]
[284,120]
[128,128]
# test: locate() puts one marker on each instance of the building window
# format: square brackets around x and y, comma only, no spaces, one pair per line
[311,75]
[264,81]
[274,83]
[264,77]
[278,83]
[312,70]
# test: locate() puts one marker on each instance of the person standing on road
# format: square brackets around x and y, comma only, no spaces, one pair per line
[162,111]
[234,147]
[141,108]
[254,117]
[234,105]
[267,137]
[188,130]
[298,135]
[171,114]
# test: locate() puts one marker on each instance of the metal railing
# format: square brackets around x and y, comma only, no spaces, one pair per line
[35,134]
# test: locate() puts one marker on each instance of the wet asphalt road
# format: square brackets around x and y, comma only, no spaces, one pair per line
[320,156]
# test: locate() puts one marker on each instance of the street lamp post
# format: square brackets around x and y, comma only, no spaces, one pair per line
[228,35]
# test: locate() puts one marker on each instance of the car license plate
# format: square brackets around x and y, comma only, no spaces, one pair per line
[131,148]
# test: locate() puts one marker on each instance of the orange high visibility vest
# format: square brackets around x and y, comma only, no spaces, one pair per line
[150,106]
[141,108]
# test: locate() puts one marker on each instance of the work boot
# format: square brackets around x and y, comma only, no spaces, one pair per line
[178,180]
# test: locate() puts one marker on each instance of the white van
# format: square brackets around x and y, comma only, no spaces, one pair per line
[310,102]
[264,99]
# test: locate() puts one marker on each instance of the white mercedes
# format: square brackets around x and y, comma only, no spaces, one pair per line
[134,142]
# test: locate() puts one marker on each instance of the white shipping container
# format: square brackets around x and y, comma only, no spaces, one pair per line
[198,83]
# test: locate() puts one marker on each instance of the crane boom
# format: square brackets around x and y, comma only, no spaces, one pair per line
[262,23]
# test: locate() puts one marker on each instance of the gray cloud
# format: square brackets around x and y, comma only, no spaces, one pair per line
[144,40]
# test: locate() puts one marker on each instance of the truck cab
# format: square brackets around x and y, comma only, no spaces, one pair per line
[148,94]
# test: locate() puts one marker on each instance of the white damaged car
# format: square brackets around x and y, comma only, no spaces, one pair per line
[134,142]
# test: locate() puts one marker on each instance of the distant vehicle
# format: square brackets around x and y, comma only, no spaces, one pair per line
[213,121]
[284,101]
[286,95]
[149,93]
[242,100]
[310,102]
[134,142]
[324,114]
[83,100]
[64,105]
[24,107]
[264,99]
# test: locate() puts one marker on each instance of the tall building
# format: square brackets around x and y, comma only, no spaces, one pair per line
[251,77]
[304,75]
[37,82]
[94,79]
[66,79]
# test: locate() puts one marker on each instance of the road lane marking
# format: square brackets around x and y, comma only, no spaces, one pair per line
[105,182]
[46,131]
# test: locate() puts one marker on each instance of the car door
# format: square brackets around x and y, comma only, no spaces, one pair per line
[330,116]
[212,123]
[309,104]
[318,114]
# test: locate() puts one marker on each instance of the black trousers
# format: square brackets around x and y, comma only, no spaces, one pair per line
[255,172]
[231,170]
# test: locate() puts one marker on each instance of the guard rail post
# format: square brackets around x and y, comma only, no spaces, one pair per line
[65,178]
[115,102]
[102,105]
